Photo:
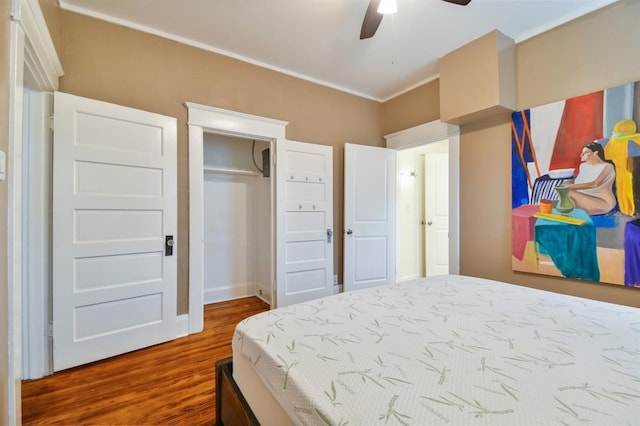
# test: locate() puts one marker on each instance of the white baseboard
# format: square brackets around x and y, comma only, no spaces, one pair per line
[214,295]
[261,297]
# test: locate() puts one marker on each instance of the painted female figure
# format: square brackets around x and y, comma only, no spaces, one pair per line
[592,189]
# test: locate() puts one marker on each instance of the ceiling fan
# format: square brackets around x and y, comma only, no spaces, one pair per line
[372,17]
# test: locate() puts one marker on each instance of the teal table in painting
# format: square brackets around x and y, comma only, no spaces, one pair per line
[572,248]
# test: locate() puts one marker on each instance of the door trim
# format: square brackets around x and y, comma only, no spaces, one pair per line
[433,132]
[31,51]
[37,157]
[201,119]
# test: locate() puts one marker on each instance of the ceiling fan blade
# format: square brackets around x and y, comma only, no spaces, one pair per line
[371,20]
[460,2]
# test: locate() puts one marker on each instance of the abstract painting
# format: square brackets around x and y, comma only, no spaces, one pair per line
[575,168]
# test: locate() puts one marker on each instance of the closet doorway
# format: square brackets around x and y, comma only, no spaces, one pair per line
[300,190]
[237,218]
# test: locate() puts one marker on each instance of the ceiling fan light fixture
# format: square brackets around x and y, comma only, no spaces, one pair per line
[387,7]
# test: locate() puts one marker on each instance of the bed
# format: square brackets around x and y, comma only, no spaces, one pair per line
[440,350]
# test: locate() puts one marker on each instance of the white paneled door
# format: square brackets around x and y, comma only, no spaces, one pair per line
[369,216]
[436,214]
[114,221]
[304,252]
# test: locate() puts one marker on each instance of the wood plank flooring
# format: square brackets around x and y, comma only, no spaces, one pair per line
[168,384]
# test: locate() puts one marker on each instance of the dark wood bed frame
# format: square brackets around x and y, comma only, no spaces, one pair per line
[231,407]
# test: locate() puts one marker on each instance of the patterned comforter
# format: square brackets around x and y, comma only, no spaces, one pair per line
[449,350]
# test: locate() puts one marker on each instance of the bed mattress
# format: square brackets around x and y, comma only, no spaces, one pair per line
[448,350]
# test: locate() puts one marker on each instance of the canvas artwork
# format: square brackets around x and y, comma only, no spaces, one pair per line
[576,187]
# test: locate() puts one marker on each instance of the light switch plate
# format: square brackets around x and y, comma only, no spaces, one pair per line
[3,165]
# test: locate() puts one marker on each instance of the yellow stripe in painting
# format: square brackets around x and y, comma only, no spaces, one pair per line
[560,218]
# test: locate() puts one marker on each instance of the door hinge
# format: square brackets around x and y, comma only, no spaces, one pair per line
[50,121]
[50,329]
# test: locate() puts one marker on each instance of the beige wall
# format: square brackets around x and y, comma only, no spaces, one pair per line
[418,106]
[5,20]
[595,52]
[127,67]
[119,65]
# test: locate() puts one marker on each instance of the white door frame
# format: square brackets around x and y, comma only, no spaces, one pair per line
[37,154]
[208,119]
[433,132]
[31,51]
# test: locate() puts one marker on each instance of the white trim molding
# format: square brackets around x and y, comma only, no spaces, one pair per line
[421,134]
[31,52]
[40,56]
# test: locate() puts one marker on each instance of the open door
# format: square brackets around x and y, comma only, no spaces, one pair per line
[114,224]
[369,216]
[304,191]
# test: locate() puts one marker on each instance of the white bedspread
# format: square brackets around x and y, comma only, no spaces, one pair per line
[449,350]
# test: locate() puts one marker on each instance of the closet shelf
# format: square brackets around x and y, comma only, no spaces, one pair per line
[230,171]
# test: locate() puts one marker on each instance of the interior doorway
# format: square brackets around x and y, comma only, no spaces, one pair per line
[423,210]
[438,144]
[301,251]
[237,218]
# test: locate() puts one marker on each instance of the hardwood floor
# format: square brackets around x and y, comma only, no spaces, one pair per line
[171,383]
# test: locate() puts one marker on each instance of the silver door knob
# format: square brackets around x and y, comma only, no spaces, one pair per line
[349,232]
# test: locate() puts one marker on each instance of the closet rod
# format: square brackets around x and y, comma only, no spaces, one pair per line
[230,171]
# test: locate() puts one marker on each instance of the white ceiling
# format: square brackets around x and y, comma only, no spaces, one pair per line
[318,40]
